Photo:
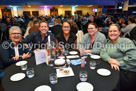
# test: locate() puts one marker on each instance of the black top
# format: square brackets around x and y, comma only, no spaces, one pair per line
[56,30]
[36,39]
[8,52]
[67,44]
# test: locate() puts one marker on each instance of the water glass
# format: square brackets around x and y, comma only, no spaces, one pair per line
[65,52]
[23,66]
[92,64]
[62,50]
[30,72]
[57,52]
[81,51]
[68,62]
[53,78]
[83,75]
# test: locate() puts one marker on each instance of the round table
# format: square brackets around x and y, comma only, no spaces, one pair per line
[42,71]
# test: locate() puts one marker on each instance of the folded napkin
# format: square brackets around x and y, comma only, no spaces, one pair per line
[75,62]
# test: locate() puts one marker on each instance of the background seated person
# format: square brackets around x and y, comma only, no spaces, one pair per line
[67,38]
[93,41]
[57,28]
[13,50]
[120,53]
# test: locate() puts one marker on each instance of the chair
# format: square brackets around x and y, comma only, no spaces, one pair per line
[132,35]
[79,36]
[129,33]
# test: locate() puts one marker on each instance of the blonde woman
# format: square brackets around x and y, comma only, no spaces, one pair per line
[30,24]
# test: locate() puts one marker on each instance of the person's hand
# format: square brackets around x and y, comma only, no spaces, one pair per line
[15,58]
[26,55]
[26,45]
[114,61]
[123,25]
[36,50]
[116,67]
[87,51]
[100,28]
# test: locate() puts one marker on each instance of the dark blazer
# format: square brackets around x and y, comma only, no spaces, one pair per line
[6,54]
[56,30]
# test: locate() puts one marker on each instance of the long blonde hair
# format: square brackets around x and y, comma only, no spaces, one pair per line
[30,24]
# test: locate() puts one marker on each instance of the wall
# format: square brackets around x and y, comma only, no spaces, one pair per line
[40,9]
[0,13]
[61,10]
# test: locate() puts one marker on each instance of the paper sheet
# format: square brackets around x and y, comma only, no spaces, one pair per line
[41,57]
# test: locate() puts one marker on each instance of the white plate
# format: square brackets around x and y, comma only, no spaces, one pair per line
[90,54]
[61,57]
[103,72]
[59,62]
[75,56]
[60,73]
[17,77]
[84,86]
[95,56]
[43,88]
[21,63]
[73,52]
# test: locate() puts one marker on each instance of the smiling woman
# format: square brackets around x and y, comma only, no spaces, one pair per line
[67,38]
[13,50]
[120,54]
[15,34]
[93,41]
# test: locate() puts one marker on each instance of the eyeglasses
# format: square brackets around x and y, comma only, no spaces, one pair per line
[66,26]
[90,28]
[16,33]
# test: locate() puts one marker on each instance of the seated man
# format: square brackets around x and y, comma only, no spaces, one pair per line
[40,38]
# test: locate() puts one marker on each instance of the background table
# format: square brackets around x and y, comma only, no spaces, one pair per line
[42,72]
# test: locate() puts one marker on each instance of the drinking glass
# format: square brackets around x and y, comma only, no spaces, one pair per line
[68,62]
[62,50]
[23,66]
[57,52]
[92,64]
[65,52]
[81,51]
[53,78]
[30,72]
[50,61]
[83,75]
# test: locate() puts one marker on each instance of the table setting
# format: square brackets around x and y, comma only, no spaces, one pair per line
[64,72]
